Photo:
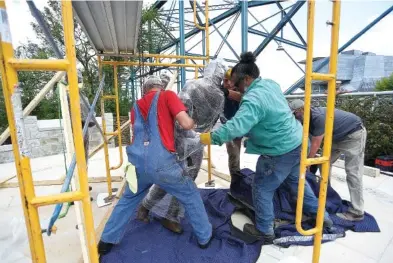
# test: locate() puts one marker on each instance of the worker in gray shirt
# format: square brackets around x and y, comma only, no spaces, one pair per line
[349,138]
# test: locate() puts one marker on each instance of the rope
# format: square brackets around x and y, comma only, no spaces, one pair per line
[63,214]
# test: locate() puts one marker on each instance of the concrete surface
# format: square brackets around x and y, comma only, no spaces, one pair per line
[64,246]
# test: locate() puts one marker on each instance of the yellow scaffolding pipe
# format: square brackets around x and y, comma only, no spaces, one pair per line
[9,79]
[118,129]
[39,64]
[206,28]
[149,64]
[325,159]
[106,150]
[9,66]
[161,56]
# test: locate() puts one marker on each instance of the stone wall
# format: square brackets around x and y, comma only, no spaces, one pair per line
[45,137]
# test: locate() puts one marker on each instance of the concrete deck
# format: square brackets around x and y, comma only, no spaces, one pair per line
[65,247]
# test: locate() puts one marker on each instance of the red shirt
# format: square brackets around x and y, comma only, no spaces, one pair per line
[168,106]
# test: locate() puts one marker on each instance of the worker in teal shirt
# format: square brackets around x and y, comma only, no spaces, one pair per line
[275,135]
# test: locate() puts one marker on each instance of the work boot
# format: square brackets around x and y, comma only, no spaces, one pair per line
[327,223]
[250,229]
[104,248]
[204,246]
[350,216]
[236,178]
[143,214]
[172,226]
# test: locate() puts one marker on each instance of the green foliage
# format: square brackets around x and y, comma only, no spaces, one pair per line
[153,34]
[151,38]
[385,84]
[376,113]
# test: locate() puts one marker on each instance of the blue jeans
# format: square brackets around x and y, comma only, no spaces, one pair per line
[271,172]
[173,182]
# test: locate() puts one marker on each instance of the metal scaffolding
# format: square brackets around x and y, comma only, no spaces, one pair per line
[226,15]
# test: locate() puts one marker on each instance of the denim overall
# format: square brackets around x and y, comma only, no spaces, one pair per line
[156,165]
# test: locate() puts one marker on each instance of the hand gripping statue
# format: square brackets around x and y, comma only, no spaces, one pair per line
[204,101]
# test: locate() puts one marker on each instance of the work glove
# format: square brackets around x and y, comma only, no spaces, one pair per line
[205,138]
[225,91]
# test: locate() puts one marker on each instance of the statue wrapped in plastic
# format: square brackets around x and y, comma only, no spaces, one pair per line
[204,101]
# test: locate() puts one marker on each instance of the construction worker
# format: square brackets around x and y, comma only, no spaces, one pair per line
[275,135]
[152,152]
[349,138]
[231,106]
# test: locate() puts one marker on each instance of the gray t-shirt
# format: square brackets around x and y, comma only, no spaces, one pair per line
[344,123]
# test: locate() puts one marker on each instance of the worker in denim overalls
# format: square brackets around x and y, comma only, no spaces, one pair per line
[155,165]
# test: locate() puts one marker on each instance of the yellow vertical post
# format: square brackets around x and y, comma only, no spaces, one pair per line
[330,77]
[307,105]
[207,30]
[68,25]
[196,73]
[9,79]
[327,147]
[118,131]
[106,150]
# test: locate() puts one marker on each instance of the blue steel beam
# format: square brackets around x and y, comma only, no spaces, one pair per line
[278,43]
[282,40]
[279,26]
[244,25]
[222,36]
[292,25]
[182,44]
[227,34]
[218,19]
[325,61]
[158,4]
[273,15]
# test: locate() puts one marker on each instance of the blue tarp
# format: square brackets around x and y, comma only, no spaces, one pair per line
[151,243]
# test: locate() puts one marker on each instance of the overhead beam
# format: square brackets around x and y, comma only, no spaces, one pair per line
[244,25]
[222,36]
[282,40]
[292,25]
[215,20]
[325,61]
[218,19]
[279,26]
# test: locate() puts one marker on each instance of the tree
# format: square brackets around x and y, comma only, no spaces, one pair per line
[151,37]
[385,84]
[85,54]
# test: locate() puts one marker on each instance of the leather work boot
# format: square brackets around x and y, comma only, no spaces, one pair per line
[250,229]
[350,216]
[104,248]
[172,226]
[143,214]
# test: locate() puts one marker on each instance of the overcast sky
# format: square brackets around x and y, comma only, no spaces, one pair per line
[273,64]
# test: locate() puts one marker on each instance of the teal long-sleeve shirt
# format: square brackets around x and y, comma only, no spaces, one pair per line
[265,115]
